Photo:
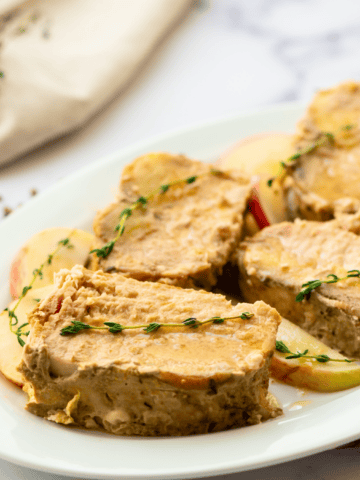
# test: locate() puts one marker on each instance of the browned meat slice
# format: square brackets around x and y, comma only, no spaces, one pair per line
[173,381]
[182,237]
[276,262]
[327,179]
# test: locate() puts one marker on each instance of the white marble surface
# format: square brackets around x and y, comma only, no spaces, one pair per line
[228,57]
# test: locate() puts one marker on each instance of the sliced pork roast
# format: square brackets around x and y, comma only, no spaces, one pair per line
[181,236]
[326,179]
[280,259]
[175,380]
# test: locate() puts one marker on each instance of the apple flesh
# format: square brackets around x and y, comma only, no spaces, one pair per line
[36,250]
[309,373]
[11,350]
[260,156]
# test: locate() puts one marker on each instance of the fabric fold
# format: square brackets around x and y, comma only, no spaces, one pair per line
[62,60]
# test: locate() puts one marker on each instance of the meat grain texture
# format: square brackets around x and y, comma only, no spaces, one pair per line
[175,381]
[182,237]
[276,262]
[326,180]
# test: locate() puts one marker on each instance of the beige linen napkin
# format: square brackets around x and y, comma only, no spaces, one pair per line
[62,60]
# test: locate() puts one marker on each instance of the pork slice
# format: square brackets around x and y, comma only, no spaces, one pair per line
[182,237]
[276,262]
[326,180]
[173,381]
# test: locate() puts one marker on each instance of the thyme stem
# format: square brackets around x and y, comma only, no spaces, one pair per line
[141,202]
[38,272]
[322,358]
[114,327]
[324,138]
[308,287]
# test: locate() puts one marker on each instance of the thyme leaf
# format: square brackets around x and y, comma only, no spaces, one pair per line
[152,327]
[38,272]
[142,202]
[246,315]
[164,188]
[322,358]
[308,287]
[281,347]
[76,327]
[113,327]
[191,179]
[26,289]
[190,322]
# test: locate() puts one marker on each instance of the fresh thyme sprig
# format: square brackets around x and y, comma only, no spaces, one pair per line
[141,202]
[325,137]
[114,327]
[322,358]
[38,272]
[308,287]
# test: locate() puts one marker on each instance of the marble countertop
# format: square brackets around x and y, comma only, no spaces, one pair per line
[227,57]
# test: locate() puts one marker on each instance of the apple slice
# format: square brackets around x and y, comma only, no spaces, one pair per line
[36,250]
[260,156]
[309,373]
[11,351]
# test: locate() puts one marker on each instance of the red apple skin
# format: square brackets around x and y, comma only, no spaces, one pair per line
[259,156]
[15,279]
[257,211]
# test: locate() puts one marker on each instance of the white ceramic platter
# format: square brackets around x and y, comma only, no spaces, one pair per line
[311,422]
